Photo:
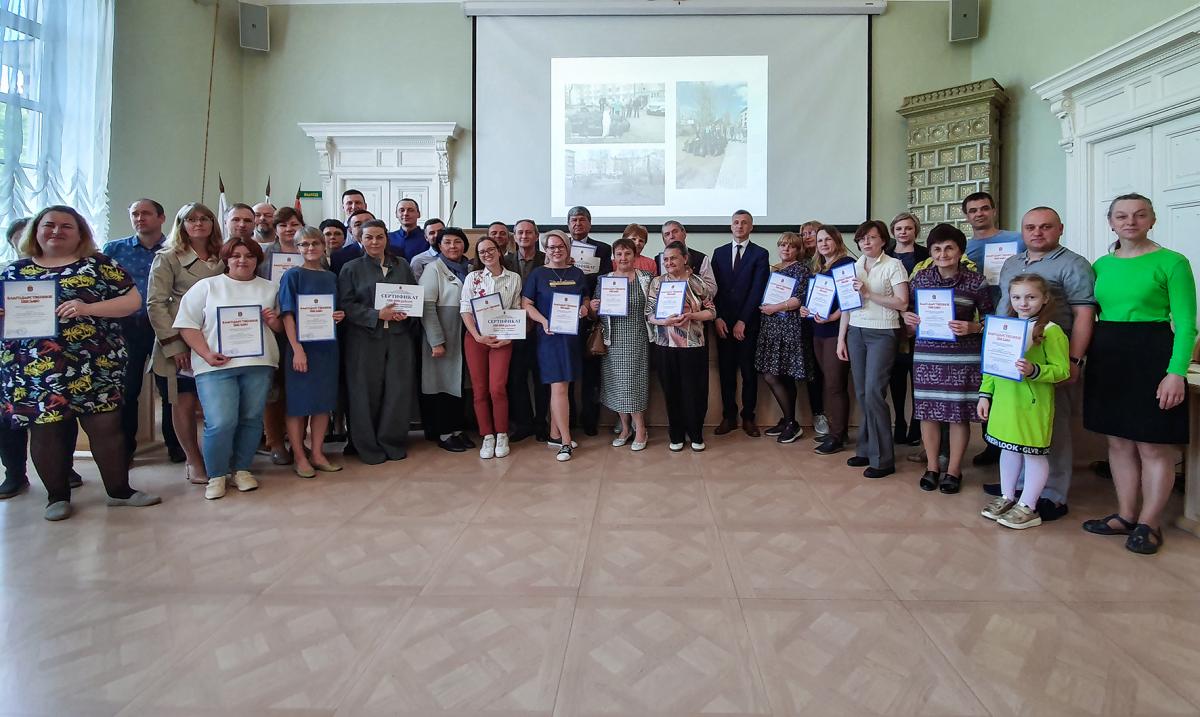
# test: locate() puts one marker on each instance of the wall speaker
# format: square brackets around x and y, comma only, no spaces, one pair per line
[964,20]
[254,28]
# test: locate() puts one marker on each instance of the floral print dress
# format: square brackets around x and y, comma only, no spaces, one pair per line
[81,370]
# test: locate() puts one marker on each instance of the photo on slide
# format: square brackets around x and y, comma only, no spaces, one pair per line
[615,177]
[710,135]
[630,113]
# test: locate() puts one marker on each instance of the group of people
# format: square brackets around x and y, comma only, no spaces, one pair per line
[1127,322]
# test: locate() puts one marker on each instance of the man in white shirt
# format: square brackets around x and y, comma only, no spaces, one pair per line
[264,217]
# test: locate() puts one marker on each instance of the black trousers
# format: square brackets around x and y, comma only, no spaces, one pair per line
[14,450]
[139,342]
[683,374]
[734,357]
[523,413]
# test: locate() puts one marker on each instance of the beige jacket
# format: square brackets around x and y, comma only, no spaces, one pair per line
[171,275]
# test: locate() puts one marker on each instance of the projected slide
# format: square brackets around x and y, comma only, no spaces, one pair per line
[658,136]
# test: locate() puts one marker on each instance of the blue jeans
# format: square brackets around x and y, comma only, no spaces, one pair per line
[233,400]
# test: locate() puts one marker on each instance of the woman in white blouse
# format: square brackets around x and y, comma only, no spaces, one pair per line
[497,289]
[867,339]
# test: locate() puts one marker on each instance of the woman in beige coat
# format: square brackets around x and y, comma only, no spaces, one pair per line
[191,254]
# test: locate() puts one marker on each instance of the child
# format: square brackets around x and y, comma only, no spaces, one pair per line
[1020,414]
[311,367]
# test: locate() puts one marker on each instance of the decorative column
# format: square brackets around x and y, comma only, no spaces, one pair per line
[953,148]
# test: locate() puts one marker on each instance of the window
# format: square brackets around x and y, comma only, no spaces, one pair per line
[21,108]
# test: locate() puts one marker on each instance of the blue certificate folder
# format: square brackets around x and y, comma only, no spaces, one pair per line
[242,313]
[1004,339]
[925,330]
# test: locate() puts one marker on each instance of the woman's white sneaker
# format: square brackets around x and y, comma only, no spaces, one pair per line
[245,481]
[488,449]
[501,445]
[216,488]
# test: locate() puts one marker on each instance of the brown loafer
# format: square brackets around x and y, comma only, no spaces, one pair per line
[751,429]
[725,426]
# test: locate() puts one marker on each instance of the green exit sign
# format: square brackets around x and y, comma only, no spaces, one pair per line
[311,194]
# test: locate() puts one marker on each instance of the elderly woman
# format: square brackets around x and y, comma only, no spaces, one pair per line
[906,228]
[625,378]
[682,353]
[50,382]
[442,351]
[867,339]
[488,357]
[232,386]
[946,373]
[559,357]
[379,350]
[784,352]
[1135,391]
[191,254]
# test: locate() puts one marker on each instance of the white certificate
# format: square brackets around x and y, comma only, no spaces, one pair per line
[823,293]
[779,289]
[614,296]
[564,313]
[406,298]
[487,305]
[508,324]
[994,256]
[843,278]
[240,331]
[314,317]
[29,308]
[281,262]
[936,309]
[671,298]
[585,258]
[1003,346]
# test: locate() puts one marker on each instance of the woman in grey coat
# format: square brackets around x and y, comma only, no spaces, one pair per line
[442,374]
[379,350]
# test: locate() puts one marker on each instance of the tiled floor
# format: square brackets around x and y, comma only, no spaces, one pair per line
[753,579]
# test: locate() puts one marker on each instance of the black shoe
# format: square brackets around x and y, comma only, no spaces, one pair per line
[541,435]
[876,473]
[12,487]
[175,454]
[829,446]
[591,430]
[519,435]
[452,445]
[989,456]
[900,434]
[790,433]
[349,450]
[929,481]
[858,461]
[1049,510]
[950,484]
[992,489]
[777,429]
[75,480]
[464,440]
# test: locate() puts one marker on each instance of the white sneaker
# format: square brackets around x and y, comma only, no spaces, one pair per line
[216,488]
[564,454]
[675,447]
[244,481]
[488,449]
[821,425]
[698,446]
[501,445]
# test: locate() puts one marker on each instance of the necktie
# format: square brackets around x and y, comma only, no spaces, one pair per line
[737,258]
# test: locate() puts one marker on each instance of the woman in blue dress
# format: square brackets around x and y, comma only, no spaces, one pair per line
[558,354]
[310,367]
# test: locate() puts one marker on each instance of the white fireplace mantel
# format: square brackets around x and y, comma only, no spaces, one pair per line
[387,161]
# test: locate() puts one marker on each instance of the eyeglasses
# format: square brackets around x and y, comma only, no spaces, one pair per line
[198,220]
[310,244]
[488,252]
[556,247]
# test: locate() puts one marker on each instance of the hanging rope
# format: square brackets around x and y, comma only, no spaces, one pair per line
[212,66]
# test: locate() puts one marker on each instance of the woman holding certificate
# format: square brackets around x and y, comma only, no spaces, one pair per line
[229,321]
[307,303]
[192,253]
[620,303]
[867,339]
[488,298]
[947,297]
[783,353]
[552,296]
[442,351]
[821,307]
[677,305]
[1135,390]
[63,355]
[379,348]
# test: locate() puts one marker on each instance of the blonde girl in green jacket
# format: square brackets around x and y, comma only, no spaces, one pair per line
[1020,414]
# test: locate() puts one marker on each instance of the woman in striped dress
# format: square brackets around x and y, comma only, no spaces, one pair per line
[946,373]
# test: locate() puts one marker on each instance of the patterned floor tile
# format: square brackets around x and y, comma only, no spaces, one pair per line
[659,658]
[756,503]
[656,561]
[811,562]
[654,501]
[556,501]
[527,559]
[458,656]
[449,499]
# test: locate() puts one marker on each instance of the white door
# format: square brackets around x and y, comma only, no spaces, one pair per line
[416,190]
[1177,186]
[1121,165]
[375,192]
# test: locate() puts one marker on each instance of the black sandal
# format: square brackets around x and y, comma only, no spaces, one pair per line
[929,481]
[950,484]
[1144,540]
[1100,526]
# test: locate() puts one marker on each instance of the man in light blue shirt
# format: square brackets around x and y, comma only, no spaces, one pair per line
[980,210]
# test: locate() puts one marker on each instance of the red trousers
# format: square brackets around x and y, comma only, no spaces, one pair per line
[489,384]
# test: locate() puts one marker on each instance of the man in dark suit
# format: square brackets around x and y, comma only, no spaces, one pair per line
[742,270]
[527,418]
[579,224]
